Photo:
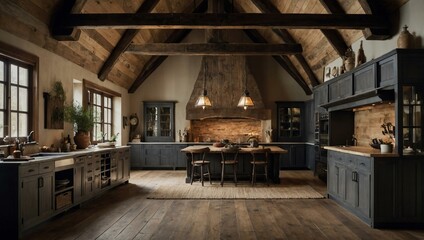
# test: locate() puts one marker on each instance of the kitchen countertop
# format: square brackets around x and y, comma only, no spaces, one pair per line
[361,151]
[48,156]
[274,149]
[209,143]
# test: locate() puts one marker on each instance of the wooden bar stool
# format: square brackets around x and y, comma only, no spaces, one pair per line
[198,160]
[260,158]
[229,157]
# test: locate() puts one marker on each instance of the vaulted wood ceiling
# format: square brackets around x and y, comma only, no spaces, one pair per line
[124,41]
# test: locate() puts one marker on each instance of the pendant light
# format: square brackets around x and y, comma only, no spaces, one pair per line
[203,100]
[245,100]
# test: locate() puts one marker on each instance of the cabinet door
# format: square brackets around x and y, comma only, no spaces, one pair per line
[136,157]
[29,201]
[46,195]
[79,182]
[364,192]
[285,158]
[167,156]
[332,177]
[182,157]
[159,121]
[364,80]
[298,156]
[351,188]
[151,156]
[127,164]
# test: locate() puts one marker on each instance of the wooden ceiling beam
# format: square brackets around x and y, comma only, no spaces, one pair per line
[267,7]
[62,8]
[283,61]
[372,7]
[155,61]
[124,42]
[214,49]
[221,21]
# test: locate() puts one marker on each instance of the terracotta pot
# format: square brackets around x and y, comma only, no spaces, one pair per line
[82,139]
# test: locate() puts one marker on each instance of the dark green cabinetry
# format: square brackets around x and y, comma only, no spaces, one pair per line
[295,158]
[290,121]
[158,156]
[159,121]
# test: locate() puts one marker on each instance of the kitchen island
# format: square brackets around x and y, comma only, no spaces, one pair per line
[244,166]
[384,190]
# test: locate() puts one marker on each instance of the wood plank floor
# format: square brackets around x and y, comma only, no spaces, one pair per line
[125,213]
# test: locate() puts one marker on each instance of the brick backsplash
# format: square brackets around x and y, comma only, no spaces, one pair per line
[368,122]
[232,129]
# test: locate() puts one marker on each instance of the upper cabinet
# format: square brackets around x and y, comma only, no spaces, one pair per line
[159,121]
[290,121]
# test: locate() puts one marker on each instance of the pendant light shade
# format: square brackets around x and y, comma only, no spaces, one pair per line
[245,100]
[203,100]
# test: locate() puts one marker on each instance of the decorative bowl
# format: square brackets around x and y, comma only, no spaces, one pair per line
[218,144]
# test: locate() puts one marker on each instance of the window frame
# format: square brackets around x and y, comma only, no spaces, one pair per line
[89,89]
[18,57]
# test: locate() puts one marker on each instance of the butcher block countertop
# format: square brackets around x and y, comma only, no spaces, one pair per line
[361,151]
[274,149]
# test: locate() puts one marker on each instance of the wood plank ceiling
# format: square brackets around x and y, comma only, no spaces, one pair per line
[323,31]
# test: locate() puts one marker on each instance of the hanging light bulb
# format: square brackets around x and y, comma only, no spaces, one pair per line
[203,100]
[245,100]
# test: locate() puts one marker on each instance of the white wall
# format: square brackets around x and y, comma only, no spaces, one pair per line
[55,68]
[411,14]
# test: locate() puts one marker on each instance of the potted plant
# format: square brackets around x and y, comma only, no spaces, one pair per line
[83,121]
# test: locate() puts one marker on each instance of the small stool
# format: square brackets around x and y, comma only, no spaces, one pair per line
[198,160]
[259,158]
[229,157]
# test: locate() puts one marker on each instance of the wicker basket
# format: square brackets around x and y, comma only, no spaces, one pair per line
[64,199]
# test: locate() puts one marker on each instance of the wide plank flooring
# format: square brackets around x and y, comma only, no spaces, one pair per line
[126,213]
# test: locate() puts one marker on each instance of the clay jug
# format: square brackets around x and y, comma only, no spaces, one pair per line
[405,38]
[361,56]
[349,59]
[82,139]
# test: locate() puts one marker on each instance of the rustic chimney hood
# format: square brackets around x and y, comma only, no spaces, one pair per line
[225,84]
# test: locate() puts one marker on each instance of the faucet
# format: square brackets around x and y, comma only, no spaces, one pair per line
[30,136]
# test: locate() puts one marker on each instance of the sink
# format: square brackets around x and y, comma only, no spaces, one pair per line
[48,154]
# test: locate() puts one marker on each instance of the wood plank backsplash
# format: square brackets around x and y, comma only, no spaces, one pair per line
[368,122]
[231,129]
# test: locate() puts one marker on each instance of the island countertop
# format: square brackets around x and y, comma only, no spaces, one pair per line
[361,151]
[274,149]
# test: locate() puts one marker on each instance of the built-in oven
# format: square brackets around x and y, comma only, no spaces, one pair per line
[321,140]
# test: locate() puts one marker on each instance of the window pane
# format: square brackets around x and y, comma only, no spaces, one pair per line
[14,98]
[2,96]
[2,120]
[23,124]
[14,125]
[23,99]
[98,99]
[23,76]
[1,71]
[14,74]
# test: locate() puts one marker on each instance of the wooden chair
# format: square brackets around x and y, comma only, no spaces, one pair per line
[198,160]
[229,157]
[260,157]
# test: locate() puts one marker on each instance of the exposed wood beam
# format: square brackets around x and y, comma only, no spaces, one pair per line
[222,21]
[155,61]
[283,61]
[332,6]
[373,7]
[213,49]
[267,7]
[63,8]
[124,42]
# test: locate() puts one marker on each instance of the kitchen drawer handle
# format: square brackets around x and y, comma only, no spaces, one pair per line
[89,171]
[46,167]
[31,170]
[89,164]
[66,193]
[363,164]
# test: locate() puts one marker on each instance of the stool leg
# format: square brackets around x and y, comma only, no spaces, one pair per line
[235,174]
[192,174]
[266,174]
[201,173]
[253,174]
[209,174]
[222,174]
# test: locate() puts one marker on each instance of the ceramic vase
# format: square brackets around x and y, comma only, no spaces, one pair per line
[405,39]
[386,148]
[361,56]
[349,59]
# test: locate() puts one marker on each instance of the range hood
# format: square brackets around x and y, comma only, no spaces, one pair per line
[225,83]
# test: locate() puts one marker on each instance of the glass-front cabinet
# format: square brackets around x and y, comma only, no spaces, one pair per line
[412,117]
[159,121]
[290,125]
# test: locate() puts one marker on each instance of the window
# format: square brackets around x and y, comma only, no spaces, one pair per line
[102,106]
[15,93]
